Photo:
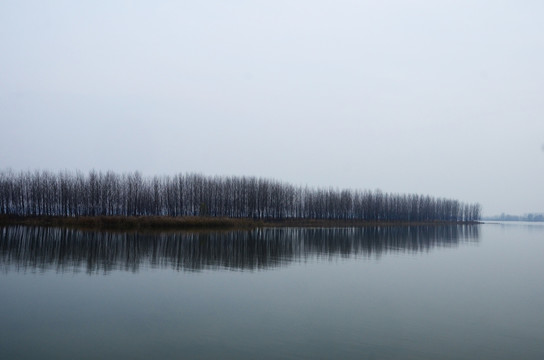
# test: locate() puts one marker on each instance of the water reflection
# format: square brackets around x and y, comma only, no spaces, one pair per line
[61,249]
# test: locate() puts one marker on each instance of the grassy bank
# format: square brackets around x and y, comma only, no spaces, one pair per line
[130,222]
[192,222]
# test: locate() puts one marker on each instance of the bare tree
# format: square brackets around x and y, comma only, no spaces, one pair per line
[69,194]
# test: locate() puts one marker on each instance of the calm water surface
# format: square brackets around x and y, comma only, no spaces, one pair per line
[472,292]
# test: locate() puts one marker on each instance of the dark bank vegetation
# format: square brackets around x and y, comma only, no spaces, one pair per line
[161,223]
[116,222]
[211,200]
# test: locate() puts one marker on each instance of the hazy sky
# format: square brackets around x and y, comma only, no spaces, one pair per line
[436,97]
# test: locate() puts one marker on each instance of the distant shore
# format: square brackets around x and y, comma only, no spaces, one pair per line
[199,222]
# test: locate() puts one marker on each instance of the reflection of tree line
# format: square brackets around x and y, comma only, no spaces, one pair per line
[35,248]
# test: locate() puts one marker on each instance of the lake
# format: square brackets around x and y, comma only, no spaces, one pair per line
[451,292]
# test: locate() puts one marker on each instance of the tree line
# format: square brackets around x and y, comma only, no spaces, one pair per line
[65,193]
[536,217]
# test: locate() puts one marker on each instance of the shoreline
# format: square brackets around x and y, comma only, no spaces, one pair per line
[201,223]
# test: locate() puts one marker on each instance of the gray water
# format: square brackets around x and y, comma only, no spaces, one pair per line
[473,292]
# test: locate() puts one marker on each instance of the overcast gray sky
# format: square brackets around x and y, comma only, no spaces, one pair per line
[436,97]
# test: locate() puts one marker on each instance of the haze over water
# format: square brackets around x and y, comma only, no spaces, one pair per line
[455,292]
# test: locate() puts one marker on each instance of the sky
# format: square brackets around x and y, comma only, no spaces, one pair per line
[444,98]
